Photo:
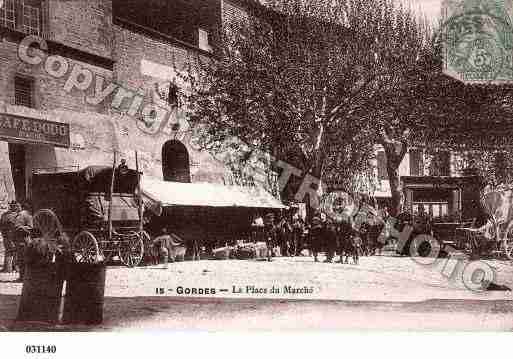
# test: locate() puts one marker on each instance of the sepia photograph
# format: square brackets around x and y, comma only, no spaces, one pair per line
[255,165]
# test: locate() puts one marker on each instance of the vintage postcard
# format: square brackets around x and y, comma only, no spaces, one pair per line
[255,165]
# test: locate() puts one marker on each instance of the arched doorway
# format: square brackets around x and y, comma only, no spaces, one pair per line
[175,162]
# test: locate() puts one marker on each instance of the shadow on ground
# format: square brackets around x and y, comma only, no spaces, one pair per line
[129,313]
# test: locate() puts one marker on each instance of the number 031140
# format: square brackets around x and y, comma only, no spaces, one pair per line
[41,349]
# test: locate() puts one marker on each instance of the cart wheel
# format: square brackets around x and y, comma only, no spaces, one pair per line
[47,223]
[84,248]
[131,250]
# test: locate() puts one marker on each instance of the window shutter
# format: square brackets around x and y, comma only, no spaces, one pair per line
[23,88]
[8,14]
[416,163]
[382,166]
[203,40]
[445,164]
[441,165]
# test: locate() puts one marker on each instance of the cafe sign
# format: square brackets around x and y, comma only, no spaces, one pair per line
[15,128]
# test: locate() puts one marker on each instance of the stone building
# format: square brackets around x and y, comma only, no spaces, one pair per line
[101,76]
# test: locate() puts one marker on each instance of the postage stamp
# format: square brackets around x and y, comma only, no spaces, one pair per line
[478,40]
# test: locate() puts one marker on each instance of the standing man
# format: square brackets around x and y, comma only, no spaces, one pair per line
[316,236]
[298,226]
[22,235]
[284,234]
[356,247]
[345,235]
[269,234]
[331,241]
[7,227]
[364,237]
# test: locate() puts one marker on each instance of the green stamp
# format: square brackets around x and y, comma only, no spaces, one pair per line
[477,36]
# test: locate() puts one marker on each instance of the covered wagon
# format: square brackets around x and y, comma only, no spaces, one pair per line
[96,207]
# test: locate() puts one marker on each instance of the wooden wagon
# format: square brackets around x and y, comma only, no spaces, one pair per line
[96,207]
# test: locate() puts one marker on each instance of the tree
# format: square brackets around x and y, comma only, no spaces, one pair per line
[303,80]
[439,112]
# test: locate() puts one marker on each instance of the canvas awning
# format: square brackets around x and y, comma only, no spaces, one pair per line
[162,194]
[382,194]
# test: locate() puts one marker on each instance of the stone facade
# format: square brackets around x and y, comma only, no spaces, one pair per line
[142,64]
[82,24]
[49,92]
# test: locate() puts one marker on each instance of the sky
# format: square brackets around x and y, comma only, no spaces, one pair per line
[431,8]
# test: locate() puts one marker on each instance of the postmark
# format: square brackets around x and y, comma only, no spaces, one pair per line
[477,39]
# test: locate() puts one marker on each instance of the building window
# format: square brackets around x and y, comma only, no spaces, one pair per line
[439,211]
[31,17]
[21,15]
[23,91]
[382,166]
[416,163]
[203,40]
[441,164]
[7,14]
[194,23]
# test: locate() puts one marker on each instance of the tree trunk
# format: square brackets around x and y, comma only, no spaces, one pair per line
[395,152]
[316,172]
[395,190]
[316,167]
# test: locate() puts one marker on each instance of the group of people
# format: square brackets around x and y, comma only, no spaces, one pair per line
[16,228]
[295,237]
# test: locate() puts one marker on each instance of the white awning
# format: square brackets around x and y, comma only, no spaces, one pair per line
[167,194]
[383,194]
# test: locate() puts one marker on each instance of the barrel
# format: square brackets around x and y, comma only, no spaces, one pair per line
[84,298]
[10,249]
[41,294]
[8,263]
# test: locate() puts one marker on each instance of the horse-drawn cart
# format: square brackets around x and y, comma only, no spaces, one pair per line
[495,238]
[96,207]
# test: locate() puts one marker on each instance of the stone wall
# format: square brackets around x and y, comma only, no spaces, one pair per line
[142,65]
[48,91]
[83,24]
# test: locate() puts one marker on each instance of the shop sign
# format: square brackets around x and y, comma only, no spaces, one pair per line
[15,128]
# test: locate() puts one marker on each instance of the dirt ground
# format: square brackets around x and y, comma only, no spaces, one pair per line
[382,292]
